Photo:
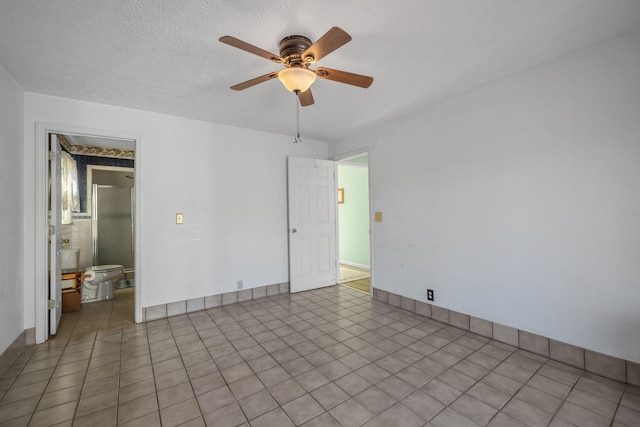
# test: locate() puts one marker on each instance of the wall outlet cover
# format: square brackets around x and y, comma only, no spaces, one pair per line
[430,295]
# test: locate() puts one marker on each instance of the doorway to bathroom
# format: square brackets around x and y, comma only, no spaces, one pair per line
[354,240]
[97,227]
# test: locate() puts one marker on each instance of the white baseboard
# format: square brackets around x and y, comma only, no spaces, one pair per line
[355,264]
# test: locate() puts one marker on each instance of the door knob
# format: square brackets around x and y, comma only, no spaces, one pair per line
[64,240]
[293,230]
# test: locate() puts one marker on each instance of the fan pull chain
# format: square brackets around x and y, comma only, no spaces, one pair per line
[297,139]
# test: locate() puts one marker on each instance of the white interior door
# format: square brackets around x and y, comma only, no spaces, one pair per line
[312,224]
[55,237]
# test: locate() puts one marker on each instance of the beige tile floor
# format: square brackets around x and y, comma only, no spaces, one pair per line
[330,357]
[99,315]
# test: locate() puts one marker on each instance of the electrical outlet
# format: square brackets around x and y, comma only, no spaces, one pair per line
[179,218]
[430,295]
[240,284]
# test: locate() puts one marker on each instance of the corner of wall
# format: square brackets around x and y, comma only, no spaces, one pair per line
[16,348]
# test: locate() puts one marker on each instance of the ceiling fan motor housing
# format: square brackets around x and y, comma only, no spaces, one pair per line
[292,48]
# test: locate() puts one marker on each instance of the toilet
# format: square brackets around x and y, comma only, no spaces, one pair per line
[99,282]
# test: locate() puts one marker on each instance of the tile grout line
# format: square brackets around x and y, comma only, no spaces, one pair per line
[521,387]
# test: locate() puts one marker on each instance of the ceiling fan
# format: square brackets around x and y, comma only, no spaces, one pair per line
[297,53]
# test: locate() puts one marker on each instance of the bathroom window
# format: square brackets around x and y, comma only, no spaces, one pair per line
[70,201]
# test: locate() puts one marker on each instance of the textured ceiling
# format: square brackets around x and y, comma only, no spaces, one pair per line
[164,55]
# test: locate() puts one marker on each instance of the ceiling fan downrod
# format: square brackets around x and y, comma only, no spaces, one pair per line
[297,139]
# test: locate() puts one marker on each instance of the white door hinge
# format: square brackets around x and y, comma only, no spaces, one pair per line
[52,156]
[51,304]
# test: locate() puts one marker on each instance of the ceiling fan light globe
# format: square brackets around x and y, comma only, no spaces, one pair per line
[296,79]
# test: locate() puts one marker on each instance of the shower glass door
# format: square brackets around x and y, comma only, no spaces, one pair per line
[112,225]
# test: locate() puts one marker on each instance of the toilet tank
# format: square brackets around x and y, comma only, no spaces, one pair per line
[70,260]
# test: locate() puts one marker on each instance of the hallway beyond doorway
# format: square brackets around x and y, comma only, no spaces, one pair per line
[355,278]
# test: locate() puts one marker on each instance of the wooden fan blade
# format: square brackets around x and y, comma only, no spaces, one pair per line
[330,41]
[232,41]
[306,98]
[344,77]
[253,82]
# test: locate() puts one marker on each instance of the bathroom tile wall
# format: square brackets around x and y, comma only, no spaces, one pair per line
[607,366]
[79,235]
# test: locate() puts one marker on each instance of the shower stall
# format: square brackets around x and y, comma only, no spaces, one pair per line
[112,225]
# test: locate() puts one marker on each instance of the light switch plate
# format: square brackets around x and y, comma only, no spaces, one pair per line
[178,218]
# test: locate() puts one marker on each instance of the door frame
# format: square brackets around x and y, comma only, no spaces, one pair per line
[41,282]
[341,158]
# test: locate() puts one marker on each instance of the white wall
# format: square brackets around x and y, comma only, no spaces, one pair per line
[519,202]
[11,209]
[230,183]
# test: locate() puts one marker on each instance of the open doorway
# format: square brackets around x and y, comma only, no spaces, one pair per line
[353,223]
[97,230]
